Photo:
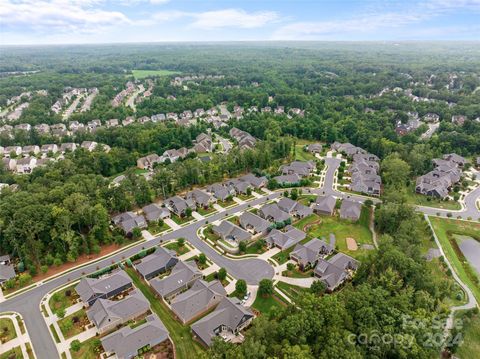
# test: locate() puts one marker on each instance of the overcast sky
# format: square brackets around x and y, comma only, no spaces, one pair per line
[106,21]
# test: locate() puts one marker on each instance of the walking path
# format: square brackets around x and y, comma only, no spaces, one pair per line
[21,339]
[171,223]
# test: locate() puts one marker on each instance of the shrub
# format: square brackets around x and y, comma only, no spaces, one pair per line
[265,287]
[75,345]
[181,242]
[241,287]
[222,274]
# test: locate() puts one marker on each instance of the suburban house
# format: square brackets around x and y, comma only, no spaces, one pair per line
[147,162]
[272,212]
[350,210]
[293,208]
[26,165]
[231,232]
[182,277]
[128,221]
[68,147]
[458,160]
[226,321]
[15,150]
[7,270]
[324,205]
[53,148]
[126,342]
[314,148]
[306,255]
[284,240]
[200,198]
[301,168]
[91,289]
[27,150]
[363,170]
[346,148]
[431,117]
[203,143]
[179,206]
[154,212]
[200,298]
[221,192]
[9,163]
[89,145]
[107,314]
[253,223]
[244,139]
[240,187]
[288,180]
[254,181]
[173,155]
[334,271]
[156,263]
[437,183]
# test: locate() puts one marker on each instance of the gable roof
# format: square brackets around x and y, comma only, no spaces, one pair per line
[334,270]
[7,271]
[229,313]
[89,287]
[158,259]
[285,239]
[293,207]
[248,219]
[153,212]
[308,253]
[272,211]
[288,179]
[350,209]
[228,230]
[325,204]
[182,273]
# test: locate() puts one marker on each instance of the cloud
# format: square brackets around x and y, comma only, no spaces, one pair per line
[159,2]
[58,15]
[233,18]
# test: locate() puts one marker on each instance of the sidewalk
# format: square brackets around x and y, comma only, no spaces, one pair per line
[172,224]
[20,340]
[197,216]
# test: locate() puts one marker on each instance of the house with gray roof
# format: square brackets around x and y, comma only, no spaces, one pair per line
[288,180]
[179,206]
[458,160]
[438,182]
[350,210]
[306,255]
[226,321]
[231,232]
[324,205]
[200,198]
[156,263]
[294,208]
[284,240]
[346,148]
[301,168]
[200,298]
[7,270]
[240,187]
[334,271]
[128,221]
[149,161]
[182,277]
[203,143]
[314,148]
[272,212]
[126,342]
[220,192]
[91,289]
[252,222]
[107,314]
[154,212]
[254,181]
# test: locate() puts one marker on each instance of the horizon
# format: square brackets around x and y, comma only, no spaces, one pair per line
[68,22]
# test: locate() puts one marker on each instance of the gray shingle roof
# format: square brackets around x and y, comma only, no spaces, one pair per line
[271,212]
[335,270]
[294,208]
[153,212]
[126,342]
[285,239]
[325,204]
[230,231]
[181,275]
[7,271]
[249,220]
[161,258]
[309,252]
[350,210]
[229,313]
[89,287]
[288,179]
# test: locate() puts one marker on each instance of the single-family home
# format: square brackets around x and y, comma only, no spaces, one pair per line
[106,314]
[301,168]
[203,143]
[7,270]
[288,180]
[110,285]
[128,221]
[49,148]
[350,210]
[253,223]
[126,342]
[334,271]
[458,160]
[284,240]
[26,165]
[306,255]
[149,161]
[200,298]
[231,232]
[179,206]
[254,181]
[182,277]
[272,212]
[226,321]
[9,164]
[158,262]
[89,145]
[220,192]
[293,208]
[324,205]
[200,198]
[154,212]
[68,147]
[12,150]
[314,148]
[28,150]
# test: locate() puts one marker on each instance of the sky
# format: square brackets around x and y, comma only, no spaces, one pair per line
[25,22]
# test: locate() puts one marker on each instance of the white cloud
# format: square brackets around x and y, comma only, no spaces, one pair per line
[233,18]
[58,15]
[159,2]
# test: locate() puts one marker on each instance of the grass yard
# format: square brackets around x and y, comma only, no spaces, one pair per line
[180,334]
[181,220]
[470,345]
[297,273]
[302,155]
[15,353]
[245,197]
[207,211]
[154,228]
[257,247]
[54,333]
[306,198]
[265,304]
[234,220]
[225,204]
[292,291]
[178,249]
[142,74]
[445,230]
[422,200]
[7,330]
[342,229]
[63,298]
[208,233]
[90,349]
[73,324]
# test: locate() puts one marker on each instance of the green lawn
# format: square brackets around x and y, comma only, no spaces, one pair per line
[7,330]
[208,233]
[154,228]
[470,345]
[141,74]
[225,204]
[180,334]
[234,220]
[245,197]
[341,228]
[265,304]
[179,250]
[445,229]
[297,273]
[88,350]
[207,211]
[73,324]
[292,291]
[422,200]
[54,333]
[256,247]
[306,198]
[15,353]
[63,298]
[181,220]
[301,155]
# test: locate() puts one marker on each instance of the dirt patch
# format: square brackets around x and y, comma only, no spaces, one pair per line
[351,244]
[308,225]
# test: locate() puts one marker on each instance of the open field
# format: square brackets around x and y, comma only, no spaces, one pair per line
[265,304]
[142,74]
[470,345]
[445,229]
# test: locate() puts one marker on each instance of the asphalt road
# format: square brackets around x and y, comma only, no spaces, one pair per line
[252,269]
